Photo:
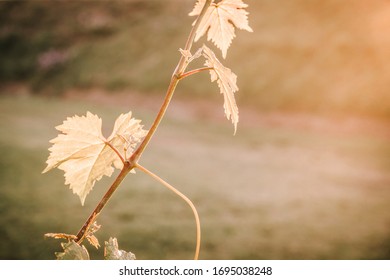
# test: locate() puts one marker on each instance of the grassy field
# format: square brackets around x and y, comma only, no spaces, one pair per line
[280,189]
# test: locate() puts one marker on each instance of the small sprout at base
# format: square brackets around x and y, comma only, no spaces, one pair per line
[112,252]
[72,251]
[68,237]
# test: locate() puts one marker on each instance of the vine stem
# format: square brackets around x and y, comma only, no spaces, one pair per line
[195,71]
[176,77]
[116,151]
[129,164]
[82,232]
[186,199]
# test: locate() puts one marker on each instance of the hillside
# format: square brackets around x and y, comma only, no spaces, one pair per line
[329,56]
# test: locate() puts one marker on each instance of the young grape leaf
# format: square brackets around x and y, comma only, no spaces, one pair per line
[72,251]
[112,252]
[90,235]
[127,133]
[219,22]
[227,82]
[188,56]
[85,155]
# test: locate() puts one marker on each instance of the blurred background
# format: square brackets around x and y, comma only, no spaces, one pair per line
[305,177]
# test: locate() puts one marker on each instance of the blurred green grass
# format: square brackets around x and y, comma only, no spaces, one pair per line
[267,193]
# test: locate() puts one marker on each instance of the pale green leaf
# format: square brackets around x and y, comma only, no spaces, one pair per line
[72,251]
[127,133]
[112,252]
[84,154]
[219,22]
[227,82]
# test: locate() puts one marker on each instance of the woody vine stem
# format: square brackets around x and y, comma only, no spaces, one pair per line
[132,162]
